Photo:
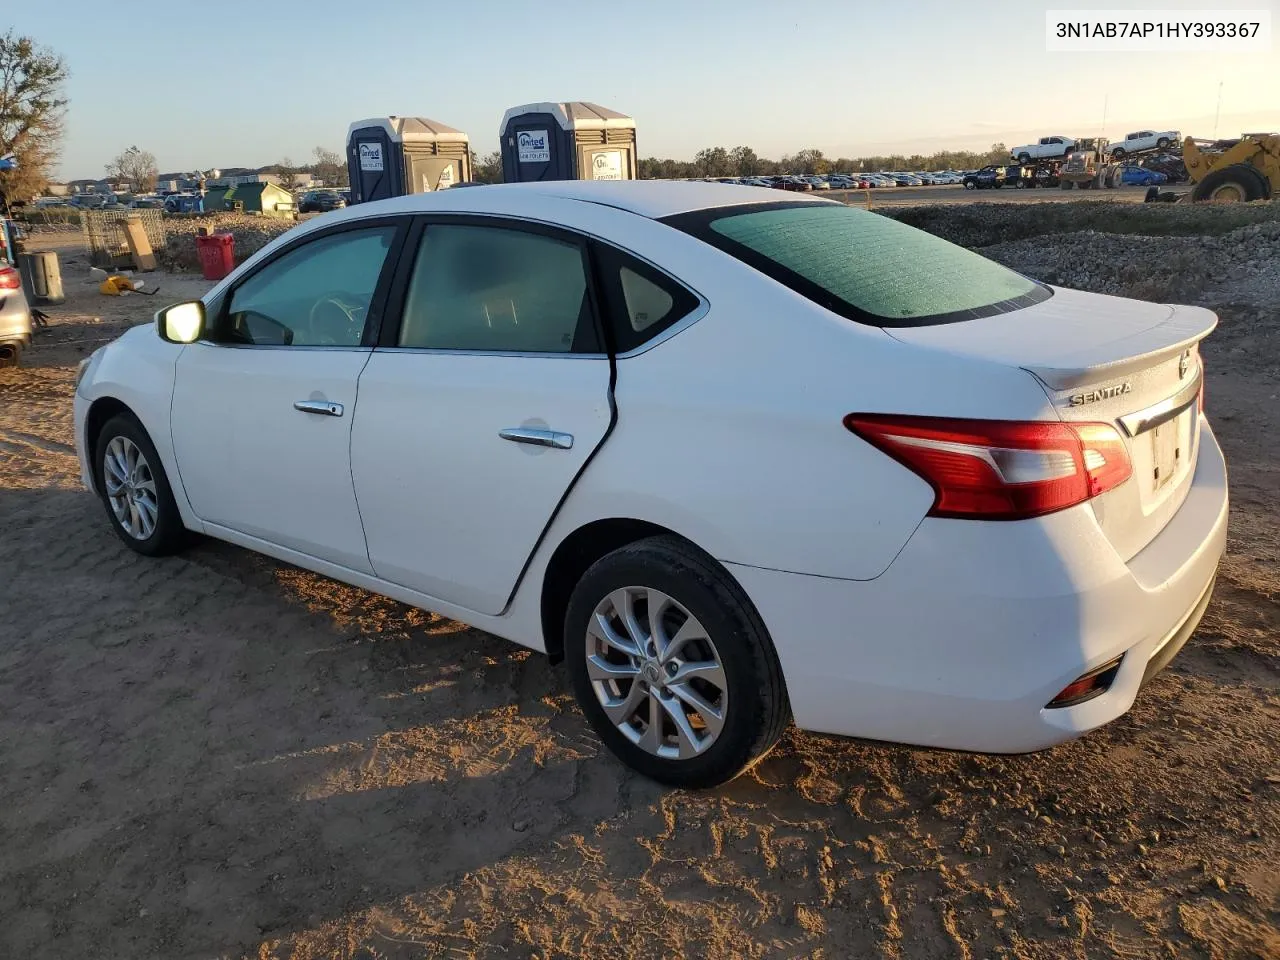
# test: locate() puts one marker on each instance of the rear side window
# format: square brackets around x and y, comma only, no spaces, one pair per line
[480,288]
[641,300]
[864,266]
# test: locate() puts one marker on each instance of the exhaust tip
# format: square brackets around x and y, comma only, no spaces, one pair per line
[1088,685]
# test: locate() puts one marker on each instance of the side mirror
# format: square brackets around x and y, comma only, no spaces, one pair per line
[182,322]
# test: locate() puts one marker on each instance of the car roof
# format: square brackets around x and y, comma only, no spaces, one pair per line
[648,198]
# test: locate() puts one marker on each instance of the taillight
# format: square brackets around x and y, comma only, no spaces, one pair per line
[1001,469]
[9,279]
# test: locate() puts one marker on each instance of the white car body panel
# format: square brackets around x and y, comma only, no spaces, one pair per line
[976,626]
[450,509]
[728,432]
[137,369]
[250,462]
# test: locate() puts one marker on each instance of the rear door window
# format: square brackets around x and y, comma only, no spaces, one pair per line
[861,265]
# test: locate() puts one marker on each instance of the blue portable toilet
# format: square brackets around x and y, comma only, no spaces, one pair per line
[393,156]
[567,141]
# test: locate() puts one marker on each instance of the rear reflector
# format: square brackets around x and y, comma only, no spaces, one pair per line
[1092,684]
[9,279]
[1001,469]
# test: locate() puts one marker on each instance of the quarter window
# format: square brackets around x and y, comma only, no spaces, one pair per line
[318,294]
[497,289]
[642,301]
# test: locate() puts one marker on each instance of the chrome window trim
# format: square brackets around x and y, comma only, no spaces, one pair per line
[352,348]
[446,351]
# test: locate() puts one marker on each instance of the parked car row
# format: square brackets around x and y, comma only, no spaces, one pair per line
[845,181]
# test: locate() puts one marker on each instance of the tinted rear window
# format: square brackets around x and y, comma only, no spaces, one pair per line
[862,265]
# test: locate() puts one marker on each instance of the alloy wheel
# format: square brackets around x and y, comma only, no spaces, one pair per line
[656,673]
[131,488]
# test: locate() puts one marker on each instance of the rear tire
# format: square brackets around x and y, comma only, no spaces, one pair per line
[1233,184]
[725,639]
[1163,143]
[1024,158]
[135,490]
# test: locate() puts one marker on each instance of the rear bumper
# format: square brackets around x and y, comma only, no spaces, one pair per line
[15,320]
[976,626]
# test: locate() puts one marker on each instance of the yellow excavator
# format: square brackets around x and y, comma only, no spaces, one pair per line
[1233,171]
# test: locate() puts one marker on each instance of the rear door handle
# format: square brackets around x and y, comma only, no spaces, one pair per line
[540,438]
[324,408]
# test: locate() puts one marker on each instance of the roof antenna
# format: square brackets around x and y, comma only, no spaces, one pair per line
[1217,113]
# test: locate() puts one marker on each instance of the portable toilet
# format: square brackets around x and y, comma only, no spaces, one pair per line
[567,141]
[394,156]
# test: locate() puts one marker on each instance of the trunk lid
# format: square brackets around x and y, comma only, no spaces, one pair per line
[1127,363]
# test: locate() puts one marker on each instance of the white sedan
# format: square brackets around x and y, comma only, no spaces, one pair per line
[702,448]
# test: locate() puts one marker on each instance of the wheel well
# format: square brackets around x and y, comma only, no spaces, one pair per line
[575,555]
[101,410]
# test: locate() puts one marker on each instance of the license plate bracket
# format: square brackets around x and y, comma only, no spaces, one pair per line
[1166,452]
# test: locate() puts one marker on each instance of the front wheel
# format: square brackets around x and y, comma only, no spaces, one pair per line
[135,489]
[672,665]
[1163,143]
[970,185]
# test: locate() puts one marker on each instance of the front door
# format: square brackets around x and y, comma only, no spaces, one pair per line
[262,409]
[479,414]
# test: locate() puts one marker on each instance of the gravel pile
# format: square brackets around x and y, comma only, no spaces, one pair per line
[1236,275]
[1242,266]
[1226,258]
[251,235]
[984,224]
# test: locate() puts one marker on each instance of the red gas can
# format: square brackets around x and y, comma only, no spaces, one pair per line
[217,256]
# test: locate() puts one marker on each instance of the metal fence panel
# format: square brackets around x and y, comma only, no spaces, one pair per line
[104,233]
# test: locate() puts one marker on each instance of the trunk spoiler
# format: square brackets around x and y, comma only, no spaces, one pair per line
[1185,327]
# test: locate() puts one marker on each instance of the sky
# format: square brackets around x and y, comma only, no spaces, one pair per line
[254,83]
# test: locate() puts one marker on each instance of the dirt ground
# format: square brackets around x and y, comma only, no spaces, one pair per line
[217,755]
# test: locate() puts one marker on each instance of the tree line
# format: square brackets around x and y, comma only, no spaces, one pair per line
[745,162]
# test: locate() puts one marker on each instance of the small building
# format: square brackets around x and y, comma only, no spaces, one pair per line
[268,199]
[215,199]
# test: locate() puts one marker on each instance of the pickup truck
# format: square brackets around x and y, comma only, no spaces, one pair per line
[1049,148]
[1145,140]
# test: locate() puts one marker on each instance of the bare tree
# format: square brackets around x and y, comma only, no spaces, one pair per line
[31,113]
[285,170]
[135,167]
[329,167]
[487,169]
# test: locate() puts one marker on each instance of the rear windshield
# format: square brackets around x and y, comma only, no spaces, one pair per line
[861,265]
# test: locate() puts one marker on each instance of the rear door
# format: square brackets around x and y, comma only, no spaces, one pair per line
[479,407]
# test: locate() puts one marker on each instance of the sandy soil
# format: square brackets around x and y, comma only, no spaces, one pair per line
[217,755]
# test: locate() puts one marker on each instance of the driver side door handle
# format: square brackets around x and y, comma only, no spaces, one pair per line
[324,408]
